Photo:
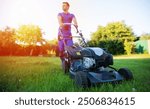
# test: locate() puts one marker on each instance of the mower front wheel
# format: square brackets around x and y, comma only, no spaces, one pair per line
[81,79]
[126,73]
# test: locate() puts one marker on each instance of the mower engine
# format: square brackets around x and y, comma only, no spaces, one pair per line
[96,57]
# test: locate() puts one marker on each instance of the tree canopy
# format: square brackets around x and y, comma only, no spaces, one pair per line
[113,31]
[28,34]
[116,37]
[24,41]
[145,36]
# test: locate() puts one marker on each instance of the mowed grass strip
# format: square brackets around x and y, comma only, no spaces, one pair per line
[44,74]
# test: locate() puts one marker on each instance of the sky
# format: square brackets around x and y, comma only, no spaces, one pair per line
[89,14]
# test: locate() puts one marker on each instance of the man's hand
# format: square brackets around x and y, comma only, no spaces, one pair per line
[60,37]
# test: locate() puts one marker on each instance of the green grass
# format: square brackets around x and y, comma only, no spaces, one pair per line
[45,74]
[132,56]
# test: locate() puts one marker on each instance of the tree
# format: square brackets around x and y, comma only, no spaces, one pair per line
[128,47]
[114,35]
[114,30]
[145,36]
[7,41]
[28,35]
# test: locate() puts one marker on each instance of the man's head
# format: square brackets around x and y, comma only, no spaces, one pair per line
[65,6]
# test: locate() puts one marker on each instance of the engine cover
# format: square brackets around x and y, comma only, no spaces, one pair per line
[93,52]
[101,57]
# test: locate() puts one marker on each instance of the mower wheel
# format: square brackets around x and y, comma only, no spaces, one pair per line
[81,79]
[126,73]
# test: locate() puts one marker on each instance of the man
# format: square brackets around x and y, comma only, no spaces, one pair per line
[65,17]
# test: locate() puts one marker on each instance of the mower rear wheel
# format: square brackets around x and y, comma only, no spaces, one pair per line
[126,73]
[81,79]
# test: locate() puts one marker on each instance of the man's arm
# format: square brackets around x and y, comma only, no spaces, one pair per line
[75,21]
[60,21]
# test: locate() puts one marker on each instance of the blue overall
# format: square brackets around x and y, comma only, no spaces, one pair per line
[66,32]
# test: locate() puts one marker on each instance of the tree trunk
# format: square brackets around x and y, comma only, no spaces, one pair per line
[31,52]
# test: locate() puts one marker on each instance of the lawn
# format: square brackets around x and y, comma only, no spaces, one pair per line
[36,74]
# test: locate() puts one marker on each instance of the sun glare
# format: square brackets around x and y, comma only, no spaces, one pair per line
[33,12]
[25,11]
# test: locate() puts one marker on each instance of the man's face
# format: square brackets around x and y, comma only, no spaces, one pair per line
[65,7]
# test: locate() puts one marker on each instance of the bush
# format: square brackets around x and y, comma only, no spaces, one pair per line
[128,47]
[115,47]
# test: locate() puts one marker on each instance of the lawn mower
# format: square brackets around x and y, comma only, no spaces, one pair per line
[89,66]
